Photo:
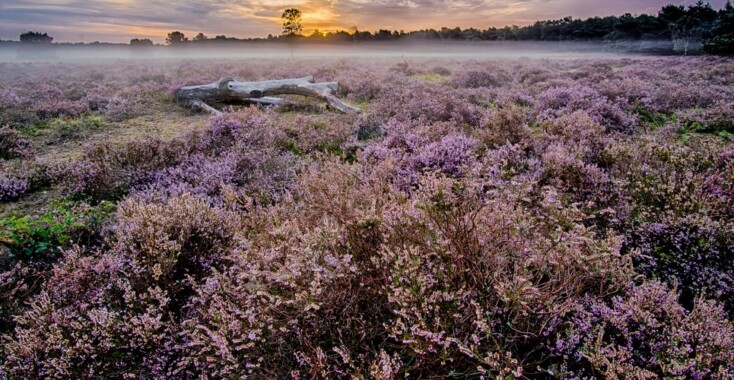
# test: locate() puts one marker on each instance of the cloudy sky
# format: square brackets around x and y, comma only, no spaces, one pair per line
[121,20]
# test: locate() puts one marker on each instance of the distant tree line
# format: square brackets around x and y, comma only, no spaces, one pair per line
[695,28]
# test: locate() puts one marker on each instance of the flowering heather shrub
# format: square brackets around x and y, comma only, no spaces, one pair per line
[9,98]
[38,173]
[120,306]
[108,171]
[272,311]
[483,78]
[57,108]
[504,125]
[646,334]
[196,175]
[264,171]
[597,194]
[720,185]
[32,244]
[362,86]
[510,163]
[119,109]
[717,118]
[240,156]
[12,145]
[466,272]
[677,223]
[533,74]
[12,188]
[416,150]
[18,283]
[665,181]
[672,96]
[593,72]
[697,255]
[252,127]
[419,102]
[450,156]
[630,90]
[555,102]
[578,132]
[306,134]
[97,99]
[12,112]
[175,242]
[356,284]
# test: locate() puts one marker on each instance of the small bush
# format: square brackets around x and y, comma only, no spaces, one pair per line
[120,109]
[695,255]
[646,334]
[18,117]
[109,171]
[440,70]
[477,79]
[73,129]
[503,125]
[558,101]
[121,306]
[60,108]
[718,118]
[12,145]
[12,188]
[40,238]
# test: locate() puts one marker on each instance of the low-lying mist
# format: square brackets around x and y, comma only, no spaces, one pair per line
[478,49]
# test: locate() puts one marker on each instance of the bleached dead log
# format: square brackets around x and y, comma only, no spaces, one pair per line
[198,104]
[229,91]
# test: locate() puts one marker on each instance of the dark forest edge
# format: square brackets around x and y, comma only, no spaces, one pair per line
[697,29]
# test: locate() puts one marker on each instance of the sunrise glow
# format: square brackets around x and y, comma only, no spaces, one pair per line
[120,20]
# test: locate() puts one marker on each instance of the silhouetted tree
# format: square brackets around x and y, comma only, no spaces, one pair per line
[723,33]
[176,38]
[292,22]
[35,38]
[200,37]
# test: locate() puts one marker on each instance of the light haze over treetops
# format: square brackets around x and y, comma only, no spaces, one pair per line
[121,20]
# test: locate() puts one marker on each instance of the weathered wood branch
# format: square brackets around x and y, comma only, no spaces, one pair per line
[229,91]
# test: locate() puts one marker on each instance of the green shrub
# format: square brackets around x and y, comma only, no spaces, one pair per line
[41,237]
[72,129]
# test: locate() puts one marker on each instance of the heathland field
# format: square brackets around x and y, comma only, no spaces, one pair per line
[500,218]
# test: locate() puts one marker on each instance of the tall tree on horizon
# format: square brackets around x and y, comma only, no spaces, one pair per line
[292,22]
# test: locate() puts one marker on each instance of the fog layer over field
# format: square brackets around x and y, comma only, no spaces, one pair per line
[460,50]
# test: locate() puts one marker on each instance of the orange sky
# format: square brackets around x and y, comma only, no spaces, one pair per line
[121,20]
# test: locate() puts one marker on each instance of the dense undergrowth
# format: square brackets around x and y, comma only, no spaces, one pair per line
[503,219]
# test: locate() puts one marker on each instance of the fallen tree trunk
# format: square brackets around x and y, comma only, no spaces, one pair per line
[229,91]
